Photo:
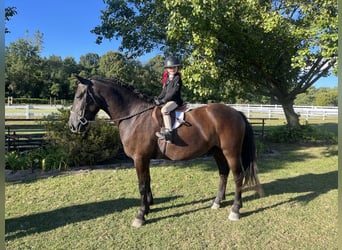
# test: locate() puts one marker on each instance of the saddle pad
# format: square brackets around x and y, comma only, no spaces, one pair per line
[179,115]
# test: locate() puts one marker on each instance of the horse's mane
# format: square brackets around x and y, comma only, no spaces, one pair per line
[119,82]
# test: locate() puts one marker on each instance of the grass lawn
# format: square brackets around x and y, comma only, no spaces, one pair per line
[95,209]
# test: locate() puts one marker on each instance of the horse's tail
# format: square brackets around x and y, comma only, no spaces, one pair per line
[248,158]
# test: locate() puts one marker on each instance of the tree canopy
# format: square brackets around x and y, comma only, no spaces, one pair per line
[256,51]
[9,13]
[53,77]
[29,75]
[275,48]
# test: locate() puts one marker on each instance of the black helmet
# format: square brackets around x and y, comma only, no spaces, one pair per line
[172,61]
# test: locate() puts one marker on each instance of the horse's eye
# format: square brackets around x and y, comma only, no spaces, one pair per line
[79,96]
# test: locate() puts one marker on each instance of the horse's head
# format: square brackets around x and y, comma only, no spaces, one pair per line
[84,107]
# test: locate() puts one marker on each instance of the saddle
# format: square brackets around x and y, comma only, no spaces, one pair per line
[177,120]
[177,116]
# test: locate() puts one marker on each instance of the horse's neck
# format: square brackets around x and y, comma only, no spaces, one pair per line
[121,105]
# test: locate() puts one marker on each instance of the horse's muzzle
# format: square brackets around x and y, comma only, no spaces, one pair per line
[73,128]
[77,126]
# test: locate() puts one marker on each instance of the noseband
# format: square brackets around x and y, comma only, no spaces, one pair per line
[81,114]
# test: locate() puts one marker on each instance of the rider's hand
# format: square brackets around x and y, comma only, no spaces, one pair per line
[156,101]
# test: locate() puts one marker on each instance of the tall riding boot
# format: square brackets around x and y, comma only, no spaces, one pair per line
[167,122]
[166,134]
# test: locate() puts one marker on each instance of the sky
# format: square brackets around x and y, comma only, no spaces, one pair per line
[66,26]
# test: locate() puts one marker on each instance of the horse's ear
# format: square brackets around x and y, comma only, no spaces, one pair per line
[83,80]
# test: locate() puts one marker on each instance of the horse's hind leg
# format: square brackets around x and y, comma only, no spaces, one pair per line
[223,171]
[235,166]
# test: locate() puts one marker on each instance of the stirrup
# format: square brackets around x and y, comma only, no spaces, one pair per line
[165,135]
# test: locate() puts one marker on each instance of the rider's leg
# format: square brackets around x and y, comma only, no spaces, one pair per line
[166,109]
[167,121]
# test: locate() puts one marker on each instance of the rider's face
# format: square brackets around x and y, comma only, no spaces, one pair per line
[172,70]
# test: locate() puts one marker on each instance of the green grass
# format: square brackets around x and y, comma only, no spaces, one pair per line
[95,209]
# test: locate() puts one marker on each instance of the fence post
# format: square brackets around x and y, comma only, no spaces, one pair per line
[248,111]
[27,111]
[9,100]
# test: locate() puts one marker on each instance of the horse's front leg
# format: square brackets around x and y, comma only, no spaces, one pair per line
[144,179]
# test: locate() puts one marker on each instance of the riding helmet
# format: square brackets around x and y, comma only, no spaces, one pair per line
[172,61]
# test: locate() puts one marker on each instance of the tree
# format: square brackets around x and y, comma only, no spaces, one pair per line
[307,98]
[327,97]
[24,67]
[30,75]
[57,77]
[9,13]
[141,25]
[150,76]
[115,64]
[52,77]
[269,48]
[273,48]
[90,64]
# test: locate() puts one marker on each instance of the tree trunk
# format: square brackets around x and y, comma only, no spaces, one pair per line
[292,117]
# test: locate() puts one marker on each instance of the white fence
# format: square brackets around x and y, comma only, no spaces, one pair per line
[30,111]
[276,111]
[250,110]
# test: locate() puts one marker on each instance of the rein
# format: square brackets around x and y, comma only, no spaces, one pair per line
[131,116]
[84,121]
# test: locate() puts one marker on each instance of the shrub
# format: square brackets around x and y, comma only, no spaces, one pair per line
[100,142]
[260,147]
[54,158]
[304,133]
[16,161]
[42,158]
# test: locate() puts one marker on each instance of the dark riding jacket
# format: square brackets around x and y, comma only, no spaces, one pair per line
[171,90]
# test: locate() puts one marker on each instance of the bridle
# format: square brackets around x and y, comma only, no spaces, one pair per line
[80,114]
[84,121]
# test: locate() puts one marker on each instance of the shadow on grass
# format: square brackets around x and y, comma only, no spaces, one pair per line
[312,185]
[285,154]
[180,214]
[330,126]
[330,151]
[304,188]
[50,220]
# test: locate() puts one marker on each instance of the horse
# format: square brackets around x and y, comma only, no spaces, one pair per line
[215,128]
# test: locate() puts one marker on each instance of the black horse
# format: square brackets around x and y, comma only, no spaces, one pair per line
[214,128]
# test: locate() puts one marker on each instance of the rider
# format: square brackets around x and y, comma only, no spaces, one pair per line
[170,95]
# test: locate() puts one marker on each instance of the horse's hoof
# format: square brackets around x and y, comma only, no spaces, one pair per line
[234,216]
[215,206]
[138,223]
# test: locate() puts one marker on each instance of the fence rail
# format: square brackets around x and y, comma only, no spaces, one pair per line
[23,137]
[30,111]
[250,110]
[20,136]
[276,111]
